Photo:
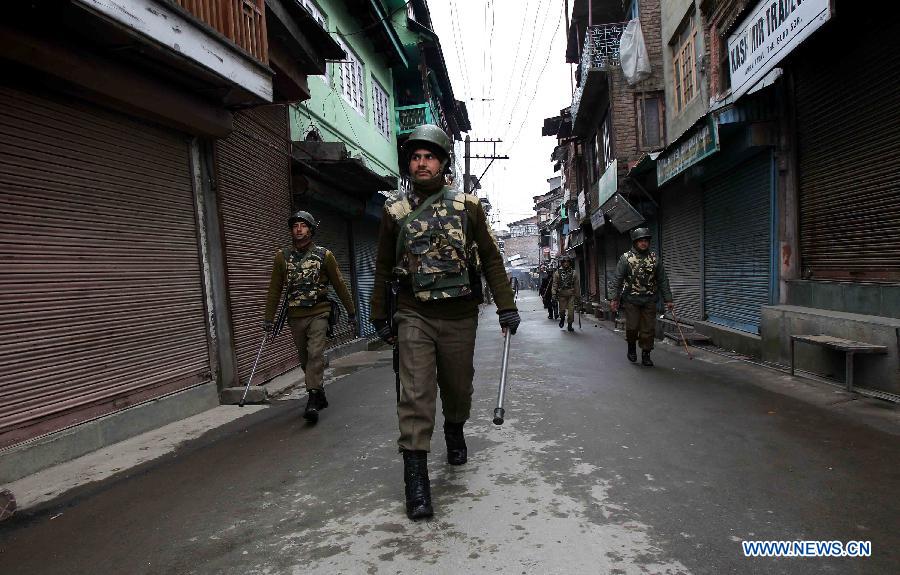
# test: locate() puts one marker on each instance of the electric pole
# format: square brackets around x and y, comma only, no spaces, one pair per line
[468,157]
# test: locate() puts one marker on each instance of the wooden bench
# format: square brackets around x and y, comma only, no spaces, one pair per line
[850,348]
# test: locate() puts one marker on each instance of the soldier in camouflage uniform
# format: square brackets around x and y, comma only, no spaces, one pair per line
[640,279]
[427,241]
[566,291]
[307,270]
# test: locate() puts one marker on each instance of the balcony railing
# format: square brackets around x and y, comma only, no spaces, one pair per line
[599,52]
[241,21]
[410,117]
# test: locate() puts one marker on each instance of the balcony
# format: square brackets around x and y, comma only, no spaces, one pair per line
[410,117]
[241,21]
[599,54]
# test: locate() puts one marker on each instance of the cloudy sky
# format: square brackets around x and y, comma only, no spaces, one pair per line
[507,62]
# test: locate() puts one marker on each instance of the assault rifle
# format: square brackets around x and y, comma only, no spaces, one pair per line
[391,289]
[280,320]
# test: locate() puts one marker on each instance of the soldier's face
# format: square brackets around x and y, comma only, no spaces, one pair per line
[423,165]
[300,231]
[643,244]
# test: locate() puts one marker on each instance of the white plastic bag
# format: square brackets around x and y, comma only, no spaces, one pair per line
[633,53]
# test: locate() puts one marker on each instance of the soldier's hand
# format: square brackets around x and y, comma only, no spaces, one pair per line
[268,325]
[614,305]
[510,319]
[384,331]
[670,305]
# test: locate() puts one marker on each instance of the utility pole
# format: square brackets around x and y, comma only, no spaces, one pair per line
[468,157]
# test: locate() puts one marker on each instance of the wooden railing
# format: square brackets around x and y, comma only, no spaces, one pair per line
[241,21]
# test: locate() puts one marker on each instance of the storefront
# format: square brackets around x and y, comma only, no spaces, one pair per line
[102,289]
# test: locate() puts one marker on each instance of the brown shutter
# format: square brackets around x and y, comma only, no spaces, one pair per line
[255,204]
[848,125]
[101,296]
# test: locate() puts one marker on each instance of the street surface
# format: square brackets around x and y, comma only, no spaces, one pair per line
[601,467]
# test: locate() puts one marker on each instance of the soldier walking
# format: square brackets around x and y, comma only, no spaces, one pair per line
[425,241]
[566,290]
[640,279]
[306,270]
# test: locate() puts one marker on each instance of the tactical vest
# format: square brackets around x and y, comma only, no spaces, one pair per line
[431,245]
[566,279]
[641,277]
[303,276]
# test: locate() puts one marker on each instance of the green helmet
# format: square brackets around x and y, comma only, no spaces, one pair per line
[640,234]
[302,216]
[430,137]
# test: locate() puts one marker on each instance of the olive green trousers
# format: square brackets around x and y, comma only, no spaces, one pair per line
[310,337]
[436,355]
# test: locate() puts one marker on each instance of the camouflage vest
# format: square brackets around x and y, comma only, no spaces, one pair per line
[566,279]
[303,276]
[431,245]
[641,277]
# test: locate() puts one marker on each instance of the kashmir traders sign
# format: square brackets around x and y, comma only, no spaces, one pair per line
[702,141]
[768,34]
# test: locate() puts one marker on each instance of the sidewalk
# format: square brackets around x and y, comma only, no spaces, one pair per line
[45,487]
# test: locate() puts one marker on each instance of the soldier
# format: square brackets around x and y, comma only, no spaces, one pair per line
[640,277]
[566,290]
[426,241]
[307,270]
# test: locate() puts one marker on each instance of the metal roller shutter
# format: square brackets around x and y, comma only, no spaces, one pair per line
[848,145]
[101,293]
[365,243]
[737,245]
[682,229]
[334,234]
[255,204]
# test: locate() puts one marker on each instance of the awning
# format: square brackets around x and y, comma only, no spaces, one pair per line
[330,162]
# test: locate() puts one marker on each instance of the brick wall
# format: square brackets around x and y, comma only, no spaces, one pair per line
[523,245]
[622,96]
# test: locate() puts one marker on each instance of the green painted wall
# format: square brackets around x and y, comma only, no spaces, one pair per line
[332,116]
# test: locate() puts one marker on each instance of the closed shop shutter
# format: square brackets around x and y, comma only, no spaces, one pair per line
[848,146]
[334,234]
[253,171]
[101,292]
[737,245]
[365,243]
[681,233]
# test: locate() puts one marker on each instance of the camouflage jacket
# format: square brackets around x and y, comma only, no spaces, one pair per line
[565,282]
[307,275]
[640,277]
[434,255]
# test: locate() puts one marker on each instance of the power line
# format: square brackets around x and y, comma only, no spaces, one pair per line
[512,71]
[534,92]
[526,71]
[456,43]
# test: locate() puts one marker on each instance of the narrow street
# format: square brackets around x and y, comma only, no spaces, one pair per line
[601,467]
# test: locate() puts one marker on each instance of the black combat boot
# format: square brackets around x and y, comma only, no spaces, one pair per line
[418,488]
[457,454]
[314,403]
[562,320]
[570,327]
[645,358]
[632,351]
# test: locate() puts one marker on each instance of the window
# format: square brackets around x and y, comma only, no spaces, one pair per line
[606,142]
[381,109]
[650,117]
[353,83]
[684,66]
[633,10]
[593,158]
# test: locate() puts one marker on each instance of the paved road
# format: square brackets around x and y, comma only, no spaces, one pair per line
[602,467]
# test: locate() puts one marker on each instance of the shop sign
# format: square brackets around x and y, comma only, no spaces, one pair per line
[769,32]
[702,141]
[597,219]
[608,184]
